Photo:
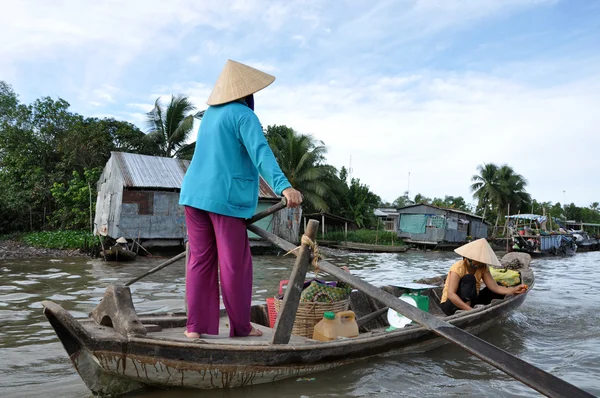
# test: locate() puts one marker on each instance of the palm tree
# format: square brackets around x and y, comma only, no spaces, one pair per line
[497,187]
[402,201]
[301,159]
[512,187]
[485,187]
[422,199]
[170,127]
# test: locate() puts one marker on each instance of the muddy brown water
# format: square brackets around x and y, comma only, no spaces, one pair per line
[557,328]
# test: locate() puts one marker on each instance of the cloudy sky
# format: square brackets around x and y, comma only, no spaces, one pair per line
[433,88]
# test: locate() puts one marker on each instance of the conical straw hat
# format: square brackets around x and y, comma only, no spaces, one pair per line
[238,81]
[121,240]
[480,251]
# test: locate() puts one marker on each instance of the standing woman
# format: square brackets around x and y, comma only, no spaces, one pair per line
[219,192]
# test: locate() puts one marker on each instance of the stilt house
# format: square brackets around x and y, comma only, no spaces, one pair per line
[138,198]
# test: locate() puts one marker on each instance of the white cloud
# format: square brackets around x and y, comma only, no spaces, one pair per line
[345,73]
[269,68]
[446,124]
[301,40]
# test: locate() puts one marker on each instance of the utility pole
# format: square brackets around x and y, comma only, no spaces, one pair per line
[350,170]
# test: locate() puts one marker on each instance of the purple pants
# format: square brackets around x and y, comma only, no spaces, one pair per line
[217,241]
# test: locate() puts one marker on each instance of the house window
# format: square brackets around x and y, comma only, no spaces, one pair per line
[436,222]
[463,225]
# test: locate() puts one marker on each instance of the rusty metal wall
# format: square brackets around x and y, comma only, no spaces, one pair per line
[166,221]
[286,224]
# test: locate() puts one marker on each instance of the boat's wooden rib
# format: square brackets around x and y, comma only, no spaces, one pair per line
[112,363]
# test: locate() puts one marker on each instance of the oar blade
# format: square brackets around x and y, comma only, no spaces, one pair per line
[528,374]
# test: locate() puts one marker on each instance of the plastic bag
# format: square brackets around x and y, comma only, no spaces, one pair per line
[505,277]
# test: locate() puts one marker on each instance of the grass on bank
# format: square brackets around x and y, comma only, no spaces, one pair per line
[385,238]
[64,240]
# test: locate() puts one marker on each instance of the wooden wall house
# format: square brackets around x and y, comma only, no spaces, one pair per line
[428,224]
[138,198]
[389,218]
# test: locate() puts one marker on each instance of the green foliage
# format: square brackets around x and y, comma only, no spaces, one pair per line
[76,200]
[404,200]
[367,236]
[449,202]
[171,126]
[498,187]
[41,145]
[16,236]
[359,203]
[8,102]
[60,239]
[302,160]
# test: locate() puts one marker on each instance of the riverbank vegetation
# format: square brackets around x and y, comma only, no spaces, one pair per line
[372,237]
[60,240]
[51,159]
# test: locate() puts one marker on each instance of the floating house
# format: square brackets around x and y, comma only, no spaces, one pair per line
[138,198]
[432,225]
[389,217]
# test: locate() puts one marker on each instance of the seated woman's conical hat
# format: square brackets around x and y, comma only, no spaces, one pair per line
[238,81]
[479,250]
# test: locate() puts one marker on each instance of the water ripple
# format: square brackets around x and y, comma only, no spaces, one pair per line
[556,329]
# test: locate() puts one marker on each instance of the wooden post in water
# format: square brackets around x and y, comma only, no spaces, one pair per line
[291,299]
[506,227]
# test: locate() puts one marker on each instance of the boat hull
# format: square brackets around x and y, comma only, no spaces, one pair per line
[111,365]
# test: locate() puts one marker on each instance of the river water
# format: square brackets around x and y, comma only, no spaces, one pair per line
[556,329]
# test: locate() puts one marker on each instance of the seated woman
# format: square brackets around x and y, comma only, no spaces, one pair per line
[462,287]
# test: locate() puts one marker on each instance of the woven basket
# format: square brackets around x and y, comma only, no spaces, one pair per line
[309,314]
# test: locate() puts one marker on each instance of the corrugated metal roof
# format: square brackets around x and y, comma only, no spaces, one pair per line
[443,208]
[265,191]
[143,171]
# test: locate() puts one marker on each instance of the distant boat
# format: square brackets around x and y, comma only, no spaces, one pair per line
[535,240]
[118,253]
[365,247]
[554,244]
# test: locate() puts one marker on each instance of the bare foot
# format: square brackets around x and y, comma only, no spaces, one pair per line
[255,332]
[191,335]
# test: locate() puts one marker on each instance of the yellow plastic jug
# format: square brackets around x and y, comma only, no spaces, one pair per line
[332,326]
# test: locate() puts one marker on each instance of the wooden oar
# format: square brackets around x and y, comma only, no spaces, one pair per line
[258,216]
[526,373]
[372,315]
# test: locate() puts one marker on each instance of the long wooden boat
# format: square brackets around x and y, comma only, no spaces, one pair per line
[366,247]
[115,351]
[118,253]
